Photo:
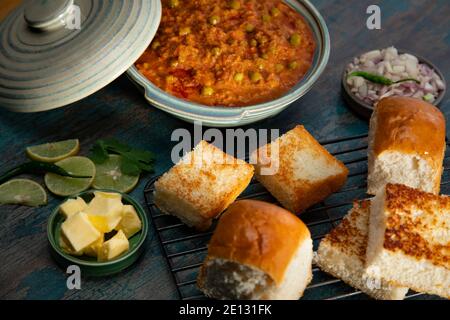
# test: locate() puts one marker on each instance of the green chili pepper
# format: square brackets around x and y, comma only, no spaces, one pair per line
[38,167]
[378,79]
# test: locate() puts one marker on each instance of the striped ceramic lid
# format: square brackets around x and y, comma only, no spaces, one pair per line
[55,52]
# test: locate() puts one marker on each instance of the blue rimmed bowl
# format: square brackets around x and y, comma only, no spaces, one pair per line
[238,116]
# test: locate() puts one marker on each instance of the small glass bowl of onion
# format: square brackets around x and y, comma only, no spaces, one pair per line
[390,72]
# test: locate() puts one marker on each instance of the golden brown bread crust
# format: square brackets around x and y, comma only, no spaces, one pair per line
[194,174]
[348,236]
[302,193]
[411,126]
[259,235]
[417,224]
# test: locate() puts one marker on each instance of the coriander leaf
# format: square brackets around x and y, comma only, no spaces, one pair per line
[130,167]
[140,155]
[146,167]
[98,153]
[116,146]
[133,160]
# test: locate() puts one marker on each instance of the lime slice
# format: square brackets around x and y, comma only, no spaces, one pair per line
[23,192]
[109,176]
[65,186]
[54,151]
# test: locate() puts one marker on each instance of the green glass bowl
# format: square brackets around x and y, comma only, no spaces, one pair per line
[88,265]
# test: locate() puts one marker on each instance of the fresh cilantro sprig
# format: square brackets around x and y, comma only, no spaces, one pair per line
[134,161]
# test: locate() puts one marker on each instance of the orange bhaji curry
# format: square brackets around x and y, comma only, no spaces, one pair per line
[228,52]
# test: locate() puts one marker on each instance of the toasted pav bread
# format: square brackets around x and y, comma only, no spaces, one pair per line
[409,239]
[307,173]
[406,145]
[258,251]
[202,185]
[342,253]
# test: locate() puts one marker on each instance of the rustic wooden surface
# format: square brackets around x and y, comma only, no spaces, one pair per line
[7,6]
[27,270]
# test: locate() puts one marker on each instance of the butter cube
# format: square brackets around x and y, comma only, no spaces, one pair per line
[67,248]
[72,206]
[130,223]
[92,250]
[114,247]
[105,213]
[79,231]
[112,195]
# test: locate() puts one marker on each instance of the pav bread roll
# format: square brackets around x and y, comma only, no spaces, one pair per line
[406,145]
[258,251]
[409,239]
[202,185]
[342,253]
[307,173]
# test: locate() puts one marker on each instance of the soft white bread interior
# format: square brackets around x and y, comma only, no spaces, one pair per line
[409,239]
[342,253]
[203,184]
[306,172]
[258,251]
[406,145]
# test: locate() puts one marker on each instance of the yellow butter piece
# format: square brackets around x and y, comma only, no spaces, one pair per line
[79,231]
[105,213]
[72,206]
[112,195]
[67,248]
[100,223]
[92,250]
[114,247]
[130,223]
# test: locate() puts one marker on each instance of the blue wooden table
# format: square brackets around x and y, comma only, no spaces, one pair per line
[27,270]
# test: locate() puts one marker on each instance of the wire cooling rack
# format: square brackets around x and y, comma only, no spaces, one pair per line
[185,248]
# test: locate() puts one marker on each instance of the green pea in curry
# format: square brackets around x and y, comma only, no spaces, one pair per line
[228,53]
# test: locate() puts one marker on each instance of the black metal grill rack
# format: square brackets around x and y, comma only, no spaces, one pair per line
[185,249]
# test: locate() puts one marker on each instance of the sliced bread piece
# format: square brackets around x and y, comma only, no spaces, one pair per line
[342,253]
[202,185]
[409,239]
[258,251]
[307,173]
[406,145]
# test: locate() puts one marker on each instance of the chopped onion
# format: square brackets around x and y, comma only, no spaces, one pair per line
[390,64]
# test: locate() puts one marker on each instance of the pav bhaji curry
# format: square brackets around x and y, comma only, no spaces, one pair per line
[228,53]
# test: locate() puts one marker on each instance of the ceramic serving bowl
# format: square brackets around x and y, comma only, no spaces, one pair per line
[237,116]
[364,109]
[90,266]
[54,53]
